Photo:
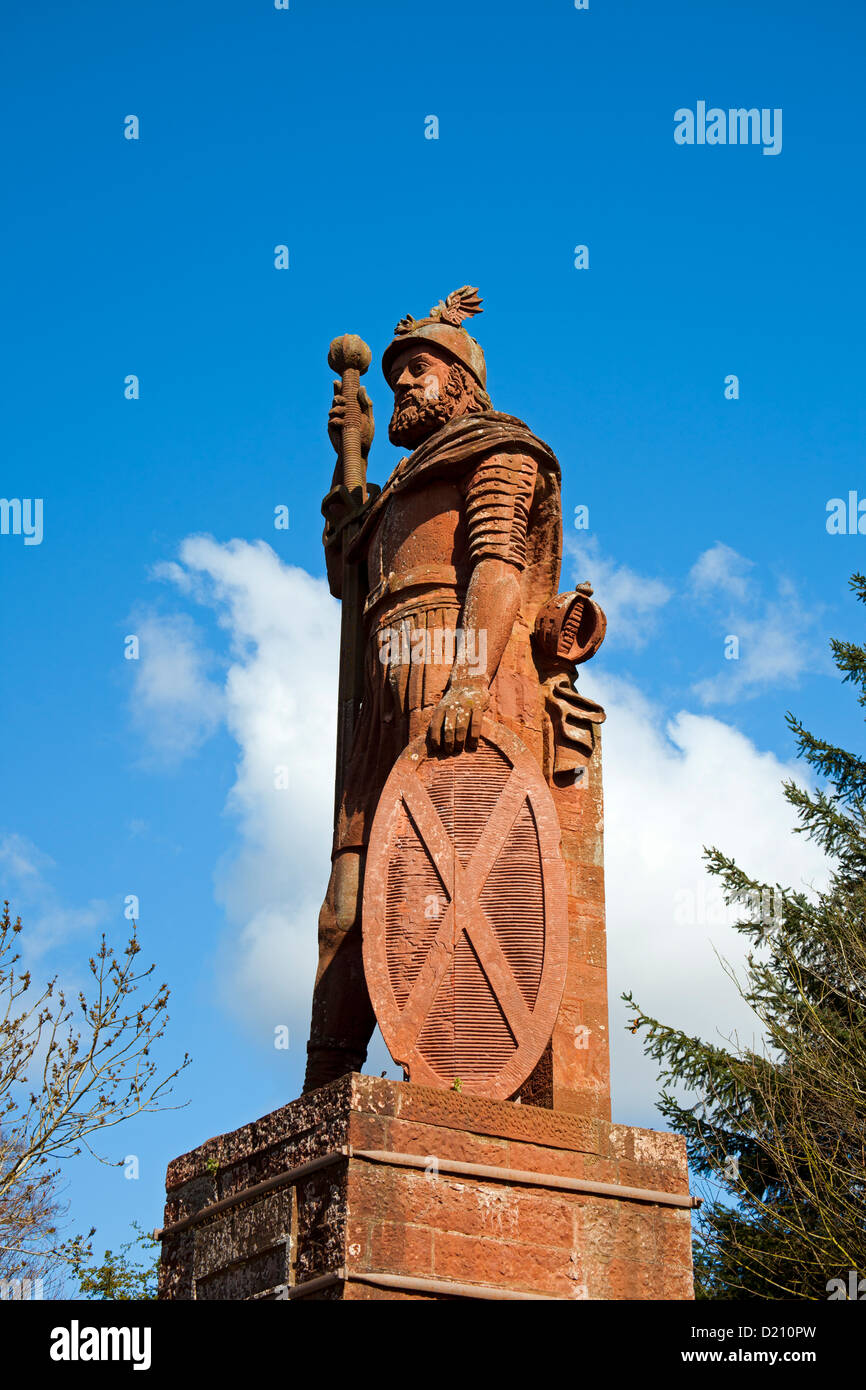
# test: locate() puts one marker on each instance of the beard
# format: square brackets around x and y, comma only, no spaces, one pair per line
[415,418]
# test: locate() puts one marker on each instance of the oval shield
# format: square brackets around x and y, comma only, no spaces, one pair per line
[465,916]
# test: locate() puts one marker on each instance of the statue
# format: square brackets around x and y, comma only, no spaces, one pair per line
[458,662]
[465,908]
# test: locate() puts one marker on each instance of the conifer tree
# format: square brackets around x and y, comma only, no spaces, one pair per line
[778,1135]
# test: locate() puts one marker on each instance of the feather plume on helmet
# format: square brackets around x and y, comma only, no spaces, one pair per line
[444,328]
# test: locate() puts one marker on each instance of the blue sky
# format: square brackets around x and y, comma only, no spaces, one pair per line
[156,257]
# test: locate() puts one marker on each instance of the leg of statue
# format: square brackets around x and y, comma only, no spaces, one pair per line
[343,1018]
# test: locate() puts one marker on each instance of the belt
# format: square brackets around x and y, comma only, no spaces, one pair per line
[422,575]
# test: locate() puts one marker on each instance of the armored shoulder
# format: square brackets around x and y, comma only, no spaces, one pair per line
[498,492]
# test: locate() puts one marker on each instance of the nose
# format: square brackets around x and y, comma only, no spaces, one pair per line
[404,379]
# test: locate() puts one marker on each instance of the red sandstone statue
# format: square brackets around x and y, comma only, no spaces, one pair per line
[452,625]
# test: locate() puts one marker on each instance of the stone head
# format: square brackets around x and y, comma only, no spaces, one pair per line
[430,388]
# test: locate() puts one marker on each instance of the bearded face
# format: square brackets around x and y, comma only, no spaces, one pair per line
[428,391]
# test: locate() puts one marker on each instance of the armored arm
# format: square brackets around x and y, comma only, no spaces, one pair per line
[498,497]
[342,507]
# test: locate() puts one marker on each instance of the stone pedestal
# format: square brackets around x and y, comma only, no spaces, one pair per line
[574,1072]
[580,1047]
[372,1189]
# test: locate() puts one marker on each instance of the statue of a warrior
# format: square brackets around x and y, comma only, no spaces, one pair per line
[449,577]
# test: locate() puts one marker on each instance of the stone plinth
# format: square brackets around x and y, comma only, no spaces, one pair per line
[427,1194]
[580,1047]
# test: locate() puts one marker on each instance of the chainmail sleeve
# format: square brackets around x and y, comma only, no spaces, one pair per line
[498,497]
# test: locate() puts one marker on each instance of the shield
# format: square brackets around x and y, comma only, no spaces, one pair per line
[465,915]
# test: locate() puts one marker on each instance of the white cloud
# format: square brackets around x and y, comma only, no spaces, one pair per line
[775,635]
[631,601]
[20,858]
[174,701]
[773,650]
[47,922]
[721,570]
[279,703]
[775,639]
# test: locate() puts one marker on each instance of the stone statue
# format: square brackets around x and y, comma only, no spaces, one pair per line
[465,908]
[453,628]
